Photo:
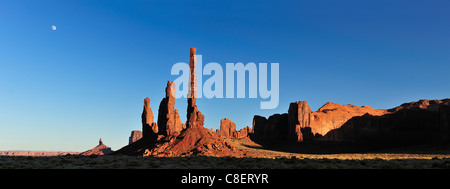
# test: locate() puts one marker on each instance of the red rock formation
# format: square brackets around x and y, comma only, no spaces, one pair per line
[332,116]
[227,128]
[301,124]
[194,117]
[195,141]
[421,122]
[135,136]
[175,138]
[149,128]
[243,133]
[299,117]
[192,92]
[169,122]
[100,149]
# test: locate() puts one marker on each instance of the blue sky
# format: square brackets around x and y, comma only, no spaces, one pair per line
[62,90]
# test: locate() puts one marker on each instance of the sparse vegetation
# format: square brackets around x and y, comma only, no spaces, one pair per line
[337,161]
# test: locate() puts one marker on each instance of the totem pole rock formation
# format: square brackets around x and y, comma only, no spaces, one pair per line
[194,117]
[172,138]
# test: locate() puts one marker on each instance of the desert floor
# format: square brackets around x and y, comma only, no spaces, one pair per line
[422,158]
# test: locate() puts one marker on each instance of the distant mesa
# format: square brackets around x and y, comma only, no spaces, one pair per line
[34,153]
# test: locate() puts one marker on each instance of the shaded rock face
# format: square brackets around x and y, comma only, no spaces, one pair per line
[169,122]
[444,123]
[100,149]
[272,130]
[332,116]
[134,136]
[430,105]
[409,124]
[299,117]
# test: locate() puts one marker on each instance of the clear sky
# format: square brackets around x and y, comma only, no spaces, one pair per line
[63,89]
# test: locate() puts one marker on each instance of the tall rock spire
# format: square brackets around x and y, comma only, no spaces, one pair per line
[192,92]
[194,117]
[149,128]
[169,121]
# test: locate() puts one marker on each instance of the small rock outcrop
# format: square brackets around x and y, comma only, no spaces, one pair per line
[100,149]
[243,133]
[228,130]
